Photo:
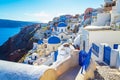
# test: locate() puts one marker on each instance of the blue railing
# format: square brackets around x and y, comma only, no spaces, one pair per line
[107,54]
[84,59]
[95,49]
[55,55]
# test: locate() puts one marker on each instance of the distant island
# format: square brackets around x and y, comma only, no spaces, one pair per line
[4,23]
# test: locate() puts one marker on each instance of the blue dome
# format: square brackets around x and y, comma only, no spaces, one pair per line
[62,24]
[40,42]
[54,40]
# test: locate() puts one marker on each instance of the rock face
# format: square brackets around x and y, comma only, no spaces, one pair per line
[18,45]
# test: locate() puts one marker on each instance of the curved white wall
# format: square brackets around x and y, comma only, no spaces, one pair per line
[18,71]
[67,63]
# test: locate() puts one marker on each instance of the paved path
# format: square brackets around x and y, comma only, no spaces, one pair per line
[70,74]
[105,72]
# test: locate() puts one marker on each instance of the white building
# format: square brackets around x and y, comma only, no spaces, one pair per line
[53,43]
[64,51]
[100,36]
[95,34]
[63,36]
[102,19]
[111,14]
[73,22]
[115,14]
[82,40]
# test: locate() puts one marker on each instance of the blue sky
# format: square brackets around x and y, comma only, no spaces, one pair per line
[43,10]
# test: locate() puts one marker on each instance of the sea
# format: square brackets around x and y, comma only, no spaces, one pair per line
[5,33]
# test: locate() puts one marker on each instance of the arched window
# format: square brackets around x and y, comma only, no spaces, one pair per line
[61,30]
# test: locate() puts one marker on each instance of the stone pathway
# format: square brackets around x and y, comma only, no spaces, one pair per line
[104,72]
[70,74]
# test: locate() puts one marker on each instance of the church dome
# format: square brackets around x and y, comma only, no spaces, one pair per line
[62,24]
[54,40]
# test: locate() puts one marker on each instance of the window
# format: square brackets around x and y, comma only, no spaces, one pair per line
[65,30]
[61,30]
[84,45]
[62,37]
[45,45]
[53,48]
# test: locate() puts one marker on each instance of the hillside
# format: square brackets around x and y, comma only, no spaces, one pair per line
[16,46]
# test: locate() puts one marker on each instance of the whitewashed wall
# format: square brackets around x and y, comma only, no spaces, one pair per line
[62,28]
[51,48]
[115,17]
[113,60]
[18,71]
[67,63]
[104,36]
[101,51]
[114,56]
[115,14]
[65,36]
[118,58]
[118,6]
[102,19]
[82,36]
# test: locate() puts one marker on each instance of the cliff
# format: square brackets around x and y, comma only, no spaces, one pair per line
[19,44]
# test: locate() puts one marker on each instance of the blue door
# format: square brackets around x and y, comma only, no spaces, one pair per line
[107,53]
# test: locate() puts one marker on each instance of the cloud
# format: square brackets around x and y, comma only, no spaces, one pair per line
[62,13]
[40,16]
